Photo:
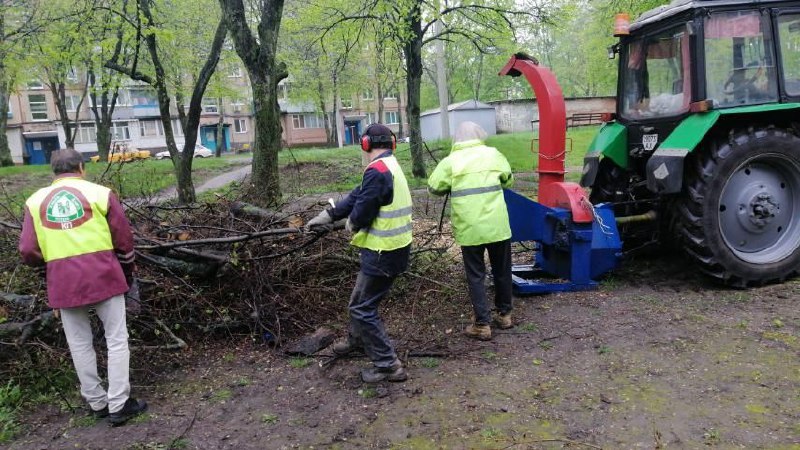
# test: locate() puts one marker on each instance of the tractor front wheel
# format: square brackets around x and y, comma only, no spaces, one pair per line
[740,214]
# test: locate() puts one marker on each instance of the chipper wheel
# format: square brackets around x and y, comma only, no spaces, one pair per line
[740,215]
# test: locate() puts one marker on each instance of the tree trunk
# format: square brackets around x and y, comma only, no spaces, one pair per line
[412,50]
[260,59]
[400,128]
[103,113]
[5,88]
[5,151]
[265,176]
[220,131]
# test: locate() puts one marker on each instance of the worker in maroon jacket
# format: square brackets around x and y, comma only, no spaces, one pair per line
[378,211]
[79,232]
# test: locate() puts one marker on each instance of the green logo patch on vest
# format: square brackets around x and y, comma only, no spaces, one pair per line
[64,207]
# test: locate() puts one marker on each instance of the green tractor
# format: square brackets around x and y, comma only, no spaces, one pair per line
[706,135]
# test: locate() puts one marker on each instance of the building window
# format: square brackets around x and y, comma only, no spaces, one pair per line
[367,95]
[235,72]
[308,121]
[391,95]
[142,97]
[347,103]
[210,105]
[149,128]
[72,75]
[283,91]
[390,117]
[38,107]
[177,129]
[370,118]
[72,102]
[120,131]
[240,126]
[35,84]
[237,105]
[86,134]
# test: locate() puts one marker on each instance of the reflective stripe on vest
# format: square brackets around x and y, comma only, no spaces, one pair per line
[391,229]
[69,217]
[474,191]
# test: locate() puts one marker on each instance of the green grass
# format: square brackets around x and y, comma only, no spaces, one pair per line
[517,147]
[10,400]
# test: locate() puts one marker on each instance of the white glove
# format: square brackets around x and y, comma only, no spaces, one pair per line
[322,218]
[349,226]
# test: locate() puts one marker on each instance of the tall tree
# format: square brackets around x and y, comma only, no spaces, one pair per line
[410,23]
[259,55]
[153,39]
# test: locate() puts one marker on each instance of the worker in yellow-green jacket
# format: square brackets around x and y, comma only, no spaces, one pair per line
[474,175]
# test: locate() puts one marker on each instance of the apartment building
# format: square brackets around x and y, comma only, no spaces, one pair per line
[34,129]
[304,125]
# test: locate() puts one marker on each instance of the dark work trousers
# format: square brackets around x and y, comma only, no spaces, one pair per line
[500,259]
[366,326]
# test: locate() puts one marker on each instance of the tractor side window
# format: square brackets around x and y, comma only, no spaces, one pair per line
[655,75]
[789,36]
[740,69]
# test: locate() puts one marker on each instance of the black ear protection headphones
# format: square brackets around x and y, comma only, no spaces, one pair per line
[368,141]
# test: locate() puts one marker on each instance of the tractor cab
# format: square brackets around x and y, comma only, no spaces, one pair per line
[706,134]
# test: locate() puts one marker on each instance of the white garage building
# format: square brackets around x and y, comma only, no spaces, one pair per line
[470,110]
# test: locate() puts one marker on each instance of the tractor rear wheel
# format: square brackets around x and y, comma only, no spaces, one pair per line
[740,213]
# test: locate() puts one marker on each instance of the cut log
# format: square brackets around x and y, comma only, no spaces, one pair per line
[193,269]
[311,343]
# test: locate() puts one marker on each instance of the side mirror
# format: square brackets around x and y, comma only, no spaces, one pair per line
[612,51]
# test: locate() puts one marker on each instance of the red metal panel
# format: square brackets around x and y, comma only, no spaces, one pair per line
[553,191]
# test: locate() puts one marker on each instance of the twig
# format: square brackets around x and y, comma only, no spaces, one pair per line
[13,226]
[233,239]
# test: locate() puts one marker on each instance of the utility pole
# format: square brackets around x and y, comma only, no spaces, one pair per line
[441,82]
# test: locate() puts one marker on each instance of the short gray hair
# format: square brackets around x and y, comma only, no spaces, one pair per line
[469,131]
[66,160]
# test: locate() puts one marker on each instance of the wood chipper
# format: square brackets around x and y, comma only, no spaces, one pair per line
[702,152]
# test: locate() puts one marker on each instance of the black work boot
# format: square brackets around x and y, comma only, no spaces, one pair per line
[130,409]
[347,347]
[98,413]
[395,372]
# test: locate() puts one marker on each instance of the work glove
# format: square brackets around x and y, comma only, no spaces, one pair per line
[349,226]
[323,218]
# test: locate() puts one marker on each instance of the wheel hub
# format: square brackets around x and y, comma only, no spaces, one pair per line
[757,208]
[763,209]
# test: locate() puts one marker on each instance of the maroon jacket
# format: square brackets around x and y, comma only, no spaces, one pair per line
[89,278]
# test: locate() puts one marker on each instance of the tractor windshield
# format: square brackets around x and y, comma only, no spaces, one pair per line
[740,67]
[655,75]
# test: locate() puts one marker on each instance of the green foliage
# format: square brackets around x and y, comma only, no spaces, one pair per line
[299,362]
[10,400]
[269,419]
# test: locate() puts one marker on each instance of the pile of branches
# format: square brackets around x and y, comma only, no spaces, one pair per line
[227,269]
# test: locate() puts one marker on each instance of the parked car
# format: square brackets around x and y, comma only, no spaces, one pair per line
[199,152]
[121,152]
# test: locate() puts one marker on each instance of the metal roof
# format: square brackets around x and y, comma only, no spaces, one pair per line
[461,106]
[678,6]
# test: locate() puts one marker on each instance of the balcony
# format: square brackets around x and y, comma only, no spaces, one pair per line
[146,111]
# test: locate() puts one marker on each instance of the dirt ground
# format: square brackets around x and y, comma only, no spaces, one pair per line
[656,358]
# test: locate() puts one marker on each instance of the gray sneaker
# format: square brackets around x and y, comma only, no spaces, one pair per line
[396,372]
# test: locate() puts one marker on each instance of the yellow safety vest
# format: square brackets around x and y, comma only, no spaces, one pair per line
[69,217]
[392,228]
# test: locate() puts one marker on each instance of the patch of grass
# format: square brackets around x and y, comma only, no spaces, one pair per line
[178,443]
[777,323]
[368,392]
[221,395]
[299,362]
[604,349]
[711,436]
[529,327]
[490,355]
[243,381]
[83,421]
[269,419]
[490,433]
[10,400]
[141,418]
[229,357]
[545,345]
[430,363]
